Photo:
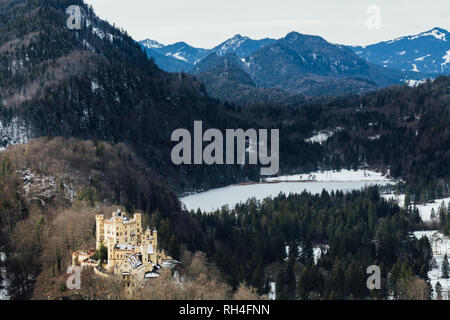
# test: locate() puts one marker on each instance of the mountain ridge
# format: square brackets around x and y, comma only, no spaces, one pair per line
[427,52]
[298,64]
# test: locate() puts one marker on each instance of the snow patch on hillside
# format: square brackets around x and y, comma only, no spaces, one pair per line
[272,292]
[423,58]
[179,56]
[102,35]
[374,138]
[152,44]
[433,33]
[446,60]
[317,251]
[13,132]
[414,83]
[4,278]
[322,136]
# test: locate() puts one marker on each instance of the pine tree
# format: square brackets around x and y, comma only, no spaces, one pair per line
[173,249]
[442,214]
[286,282]
[433,215]
[438,290]
[407,199]
[445,268]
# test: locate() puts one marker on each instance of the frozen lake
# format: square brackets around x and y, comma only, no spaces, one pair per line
[331,181]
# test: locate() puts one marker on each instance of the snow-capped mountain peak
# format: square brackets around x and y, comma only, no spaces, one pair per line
[241,45]
[437,33]
[151,44]
[230,45]
[426,52]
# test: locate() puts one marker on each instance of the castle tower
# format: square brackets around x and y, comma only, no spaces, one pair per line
[138,218]
[155,238]
[111,257]
[74,259]
[99,227]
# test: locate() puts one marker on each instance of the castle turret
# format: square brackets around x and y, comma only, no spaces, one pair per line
[138,218]
[99,227]
[155,238]
[74,258]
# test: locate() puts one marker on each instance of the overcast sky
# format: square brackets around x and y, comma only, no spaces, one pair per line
[206,23]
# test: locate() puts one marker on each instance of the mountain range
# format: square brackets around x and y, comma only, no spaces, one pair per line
[426,52]
[304,64]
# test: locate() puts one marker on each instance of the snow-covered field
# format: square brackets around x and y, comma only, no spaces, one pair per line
[3,281]
[440,245]
[424,209]
[331,181]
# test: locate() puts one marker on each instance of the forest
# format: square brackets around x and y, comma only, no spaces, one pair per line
[358,229]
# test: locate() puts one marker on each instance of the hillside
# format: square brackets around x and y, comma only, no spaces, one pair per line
[97,83]
[50,192]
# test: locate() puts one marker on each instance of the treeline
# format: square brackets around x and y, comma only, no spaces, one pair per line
[355,230]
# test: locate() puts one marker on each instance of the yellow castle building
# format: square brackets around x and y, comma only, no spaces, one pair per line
[132,252]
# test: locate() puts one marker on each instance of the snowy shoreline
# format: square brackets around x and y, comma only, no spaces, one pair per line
[333,176]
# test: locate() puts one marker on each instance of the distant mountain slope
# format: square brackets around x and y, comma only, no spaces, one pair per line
[181,56]
[299,62]
[184,52]
[167,63]
[296,64]
[176,57]
[427,52]
[241,46]
[226,79]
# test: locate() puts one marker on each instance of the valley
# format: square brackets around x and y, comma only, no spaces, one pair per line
[88,123]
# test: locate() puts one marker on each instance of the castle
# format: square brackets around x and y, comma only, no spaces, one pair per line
[132,253]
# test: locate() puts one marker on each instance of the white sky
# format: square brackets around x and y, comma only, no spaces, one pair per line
[206,23]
